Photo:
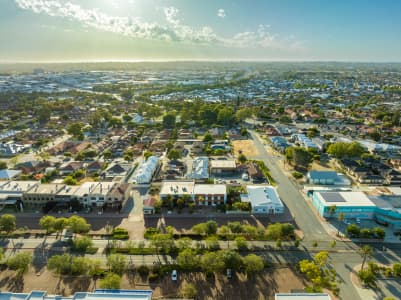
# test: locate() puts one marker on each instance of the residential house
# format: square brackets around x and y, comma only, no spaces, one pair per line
[70,167]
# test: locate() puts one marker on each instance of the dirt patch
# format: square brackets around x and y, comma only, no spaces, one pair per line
[246,146]
[262,286]
[318,166]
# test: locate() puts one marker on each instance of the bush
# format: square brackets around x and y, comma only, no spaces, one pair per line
[297,175]
[111,281]
[149,232]
[367,277]
[120,234]
[353,230]
[380,233]
[365,233]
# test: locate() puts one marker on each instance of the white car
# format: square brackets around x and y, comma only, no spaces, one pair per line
[174,275]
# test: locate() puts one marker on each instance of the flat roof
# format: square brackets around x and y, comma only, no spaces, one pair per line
[88,188]
[177,187]
[223,164]
[18,186]
[47,188]
[345,199]
[302,296]
[97,294]
[212,189]
[263,195]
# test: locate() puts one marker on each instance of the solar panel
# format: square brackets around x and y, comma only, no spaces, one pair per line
[333,197]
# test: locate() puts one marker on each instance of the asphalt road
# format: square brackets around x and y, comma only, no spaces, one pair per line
[304,217]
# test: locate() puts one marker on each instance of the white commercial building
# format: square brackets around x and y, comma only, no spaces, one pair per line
[263,199]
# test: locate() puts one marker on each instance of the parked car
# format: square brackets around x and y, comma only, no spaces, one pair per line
[358,221]
[229,273]
[174,275]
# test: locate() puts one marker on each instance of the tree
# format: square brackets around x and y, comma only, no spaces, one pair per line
[59,224]
[162,242]
[75,129]
[95,268]
[189,291]
[340,218]
[44,113]
[210,263]
[111,281]
[299,157]
[47,223]
[243,113]
[7,223]
[366,252]
[169,120]
[253,264]
[80,265]
[69,180]
[232,260]
[188,260]
[342,149]
[60,264]
[397,269]
[332,210]
[242,158]
[3,165]
[107,154]
[208,137]
[174,154]
[184,243]
[241,243]
[117,263]
[226,116]
[321,258]
[279,230]
[78,224]
[212,243]
[20,262]
[211,227]
[82,243]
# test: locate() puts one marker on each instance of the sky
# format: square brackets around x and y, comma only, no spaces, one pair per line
[131,30]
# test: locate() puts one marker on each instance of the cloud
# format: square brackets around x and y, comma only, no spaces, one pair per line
[173,31]
[221,13]
[171,14]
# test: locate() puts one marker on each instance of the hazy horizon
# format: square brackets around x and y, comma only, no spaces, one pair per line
[174,30]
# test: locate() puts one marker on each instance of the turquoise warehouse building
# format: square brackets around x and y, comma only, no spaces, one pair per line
[385,209]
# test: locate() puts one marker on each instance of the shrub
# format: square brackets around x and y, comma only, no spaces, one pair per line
[297,175]
[120,234]
[379,232]
[365,233]
[353,230]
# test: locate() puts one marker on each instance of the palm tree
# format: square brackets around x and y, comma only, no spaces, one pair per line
[340,217]
[109,229]
[366,252]
[332,210]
